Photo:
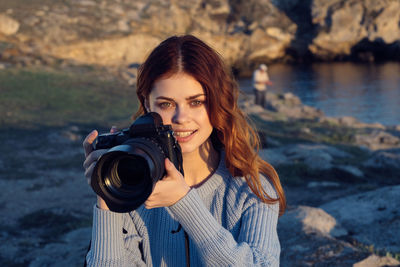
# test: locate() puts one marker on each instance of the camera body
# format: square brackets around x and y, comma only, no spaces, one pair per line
[126,174]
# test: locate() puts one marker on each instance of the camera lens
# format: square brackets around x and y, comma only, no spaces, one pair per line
[128,171]
[125,176]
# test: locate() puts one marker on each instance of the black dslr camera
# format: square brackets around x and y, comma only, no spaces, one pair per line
[125,176]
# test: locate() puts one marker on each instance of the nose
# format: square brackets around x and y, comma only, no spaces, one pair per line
[181,115]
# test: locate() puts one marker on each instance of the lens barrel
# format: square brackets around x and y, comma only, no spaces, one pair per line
[126,175]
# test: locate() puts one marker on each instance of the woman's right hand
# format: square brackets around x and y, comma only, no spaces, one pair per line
[91,159]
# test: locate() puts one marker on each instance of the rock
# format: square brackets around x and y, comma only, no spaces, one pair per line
[277,42]
[371,24]
[386,159]
[376,261]
[329,120]
[384,26]
[290,106]
[245,32]
[315,221]
[377,140]
[322,184]
[315,156]
[273,156]
[71,251]
[336,39]
[307,239]
[347,121]
[351,169]
[369,217]
[8,25]
[113,52]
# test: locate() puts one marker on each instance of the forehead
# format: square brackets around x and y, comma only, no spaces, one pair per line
[179,85]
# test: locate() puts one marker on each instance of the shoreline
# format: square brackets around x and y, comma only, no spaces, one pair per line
[340,90]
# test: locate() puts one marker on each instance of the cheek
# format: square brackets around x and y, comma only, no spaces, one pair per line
[204,119]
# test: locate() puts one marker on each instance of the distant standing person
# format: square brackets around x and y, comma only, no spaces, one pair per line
[260,82]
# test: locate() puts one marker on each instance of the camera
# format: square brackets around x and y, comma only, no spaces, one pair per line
[124,177]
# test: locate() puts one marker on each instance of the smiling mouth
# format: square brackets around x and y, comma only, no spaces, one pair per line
[184,134]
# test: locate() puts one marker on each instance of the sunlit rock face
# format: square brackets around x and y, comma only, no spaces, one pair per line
[363,30]
[113,33]
[246,33]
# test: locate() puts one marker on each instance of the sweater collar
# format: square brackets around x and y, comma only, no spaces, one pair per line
[215,178]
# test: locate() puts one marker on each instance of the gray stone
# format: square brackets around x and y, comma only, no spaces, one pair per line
[351,169]
[312,220]
[372,217]
[307,239]
[322,184]
[316,156]
[384,159]
[273,156]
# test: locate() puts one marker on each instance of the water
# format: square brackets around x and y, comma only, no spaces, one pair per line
[368,92]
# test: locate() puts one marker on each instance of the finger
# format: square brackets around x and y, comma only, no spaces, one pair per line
[93,156]
[169,166]
[150,204]
[87,143]
[89,171]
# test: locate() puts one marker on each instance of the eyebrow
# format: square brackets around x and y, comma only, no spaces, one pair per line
[187,98]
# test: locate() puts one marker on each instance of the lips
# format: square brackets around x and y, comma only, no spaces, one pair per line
[184,136]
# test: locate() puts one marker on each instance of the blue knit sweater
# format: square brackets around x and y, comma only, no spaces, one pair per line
[226,225]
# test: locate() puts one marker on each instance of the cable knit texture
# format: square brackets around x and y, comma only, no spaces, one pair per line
[226,223]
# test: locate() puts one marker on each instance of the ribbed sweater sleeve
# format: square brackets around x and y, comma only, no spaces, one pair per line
[107,246]
[257,245]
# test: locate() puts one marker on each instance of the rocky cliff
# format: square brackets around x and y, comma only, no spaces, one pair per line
[115,32]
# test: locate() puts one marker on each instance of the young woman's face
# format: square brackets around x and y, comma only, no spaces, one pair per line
[181,102]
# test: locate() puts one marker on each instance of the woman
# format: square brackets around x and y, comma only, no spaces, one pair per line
[224,211]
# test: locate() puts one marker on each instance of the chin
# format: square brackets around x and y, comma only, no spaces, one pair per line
[188,150]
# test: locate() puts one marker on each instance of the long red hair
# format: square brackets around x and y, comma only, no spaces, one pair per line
[232,131]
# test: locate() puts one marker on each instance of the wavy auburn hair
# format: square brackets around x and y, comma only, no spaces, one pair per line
[232,132]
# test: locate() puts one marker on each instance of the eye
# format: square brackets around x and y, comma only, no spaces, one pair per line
[164,105]
[196,103]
